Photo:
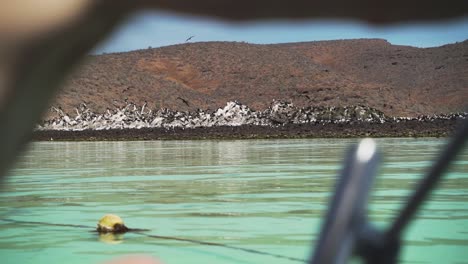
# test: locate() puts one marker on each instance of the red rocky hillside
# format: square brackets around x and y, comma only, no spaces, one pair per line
[398,80]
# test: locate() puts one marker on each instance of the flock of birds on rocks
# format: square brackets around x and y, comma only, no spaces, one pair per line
[233,114]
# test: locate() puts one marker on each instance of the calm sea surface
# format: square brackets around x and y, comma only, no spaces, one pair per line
[265,195]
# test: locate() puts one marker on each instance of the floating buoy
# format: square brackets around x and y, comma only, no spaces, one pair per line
[111,224]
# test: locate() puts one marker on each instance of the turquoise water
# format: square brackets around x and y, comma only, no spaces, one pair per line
[265,195]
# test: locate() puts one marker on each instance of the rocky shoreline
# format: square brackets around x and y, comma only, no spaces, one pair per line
[411,128]
[238,121]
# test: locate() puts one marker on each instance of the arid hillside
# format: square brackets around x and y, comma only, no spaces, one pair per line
[398,80]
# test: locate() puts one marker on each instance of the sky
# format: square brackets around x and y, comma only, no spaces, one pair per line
[145,30]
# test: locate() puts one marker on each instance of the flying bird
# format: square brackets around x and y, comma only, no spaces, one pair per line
[187,40]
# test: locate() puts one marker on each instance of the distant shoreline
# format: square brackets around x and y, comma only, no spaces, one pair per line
[408,128]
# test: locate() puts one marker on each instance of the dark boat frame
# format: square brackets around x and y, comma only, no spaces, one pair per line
[33,67]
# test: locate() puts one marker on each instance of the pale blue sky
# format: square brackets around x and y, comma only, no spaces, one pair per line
[162,29]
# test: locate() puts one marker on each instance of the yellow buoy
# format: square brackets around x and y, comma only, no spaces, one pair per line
[111,224]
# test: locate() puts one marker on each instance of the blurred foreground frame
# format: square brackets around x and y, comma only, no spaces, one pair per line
[41,42]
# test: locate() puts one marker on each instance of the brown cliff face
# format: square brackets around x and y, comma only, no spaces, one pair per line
[398,80]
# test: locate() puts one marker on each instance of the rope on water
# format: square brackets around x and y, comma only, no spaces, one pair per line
[43,223]
[137,231]
[253,251]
